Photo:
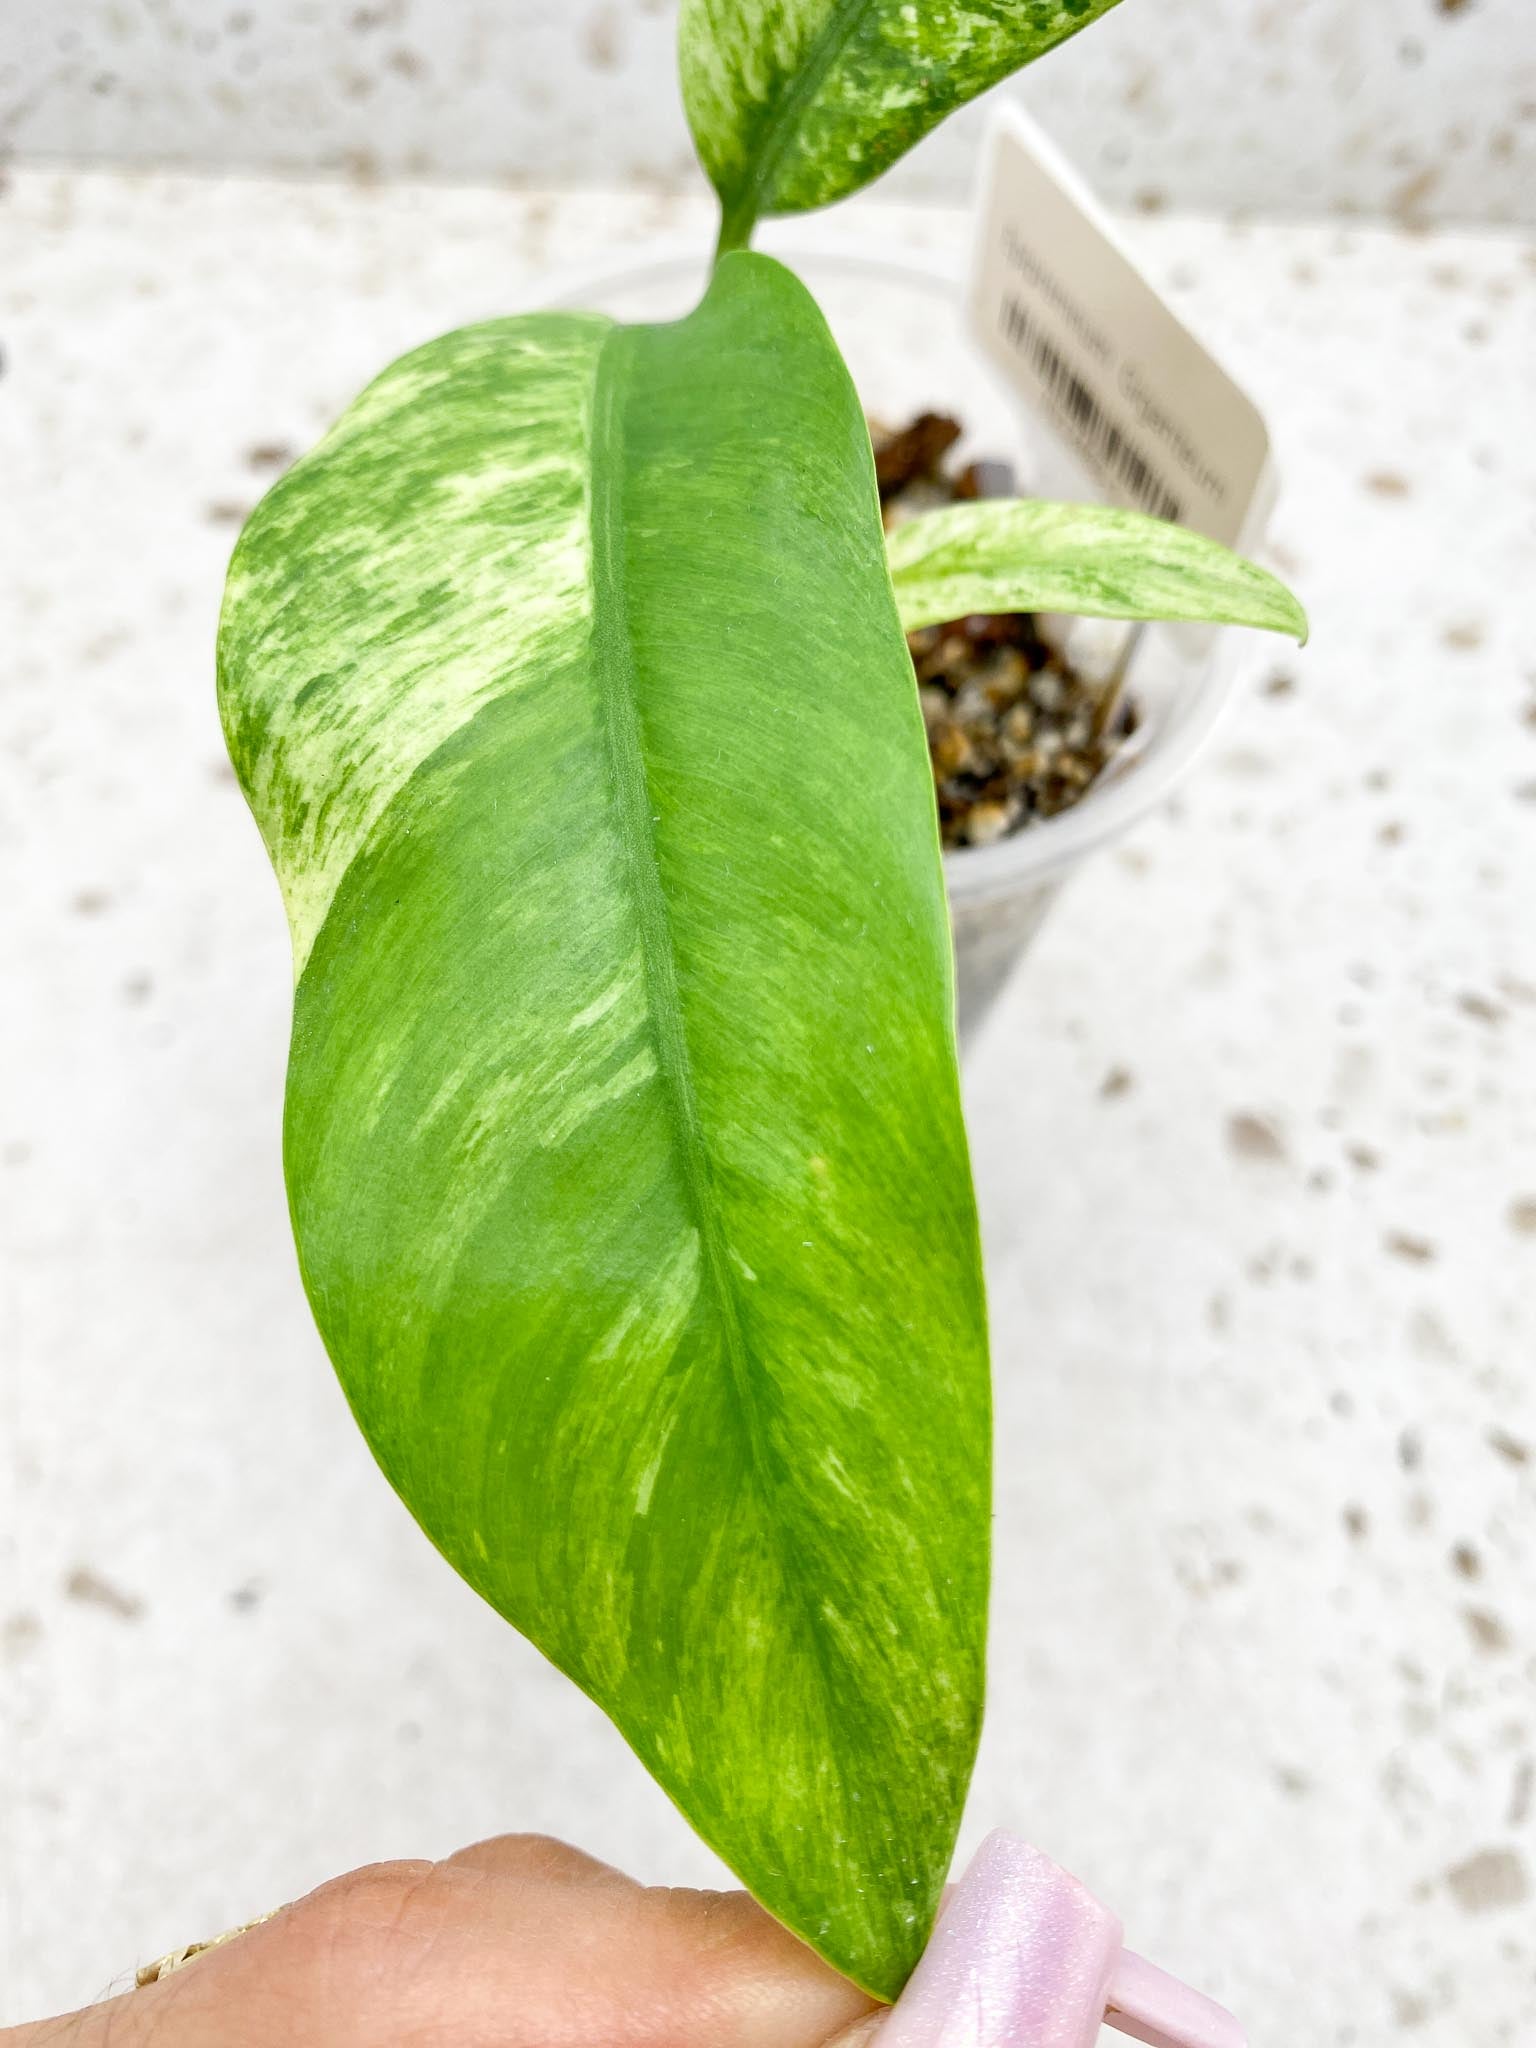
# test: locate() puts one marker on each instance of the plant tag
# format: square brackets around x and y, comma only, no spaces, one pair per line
[1145,413]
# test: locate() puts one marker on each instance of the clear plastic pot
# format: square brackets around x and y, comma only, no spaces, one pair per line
[901,328]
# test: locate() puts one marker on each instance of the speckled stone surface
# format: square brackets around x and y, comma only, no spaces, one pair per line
[1426,108]
[1255,1134]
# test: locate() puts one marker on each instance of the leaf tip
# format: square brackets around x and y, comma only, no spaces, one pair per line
[1295,620]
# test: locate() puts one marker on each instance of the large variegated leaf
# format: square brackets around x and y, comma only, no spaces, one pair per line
[1029,555]
[794,103]
[622,1133]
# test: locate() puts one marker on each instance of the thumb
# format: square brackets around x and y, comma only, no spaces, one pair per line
[517,1943]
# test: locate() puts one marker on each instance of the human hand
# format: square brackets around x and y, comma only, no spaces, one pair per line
[519,1942]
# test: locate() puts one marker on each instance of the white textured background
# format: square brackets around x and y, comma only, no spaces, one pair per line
[1425,109]
[1255,1129]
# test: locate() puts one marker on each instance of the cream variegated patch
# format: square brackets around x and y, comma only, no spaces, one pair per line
[365,671]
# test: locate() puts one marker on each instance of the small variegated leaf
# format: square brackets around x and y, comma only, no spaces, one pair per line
[1029,555]
[623,1136]
[795,103]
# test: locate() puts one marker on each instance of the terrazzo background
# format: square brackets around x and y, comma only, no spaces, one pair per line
[1425,109]
[1255,1133]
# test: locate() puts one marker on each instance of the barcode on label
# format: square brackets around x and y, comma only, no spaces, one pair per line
[1101,438]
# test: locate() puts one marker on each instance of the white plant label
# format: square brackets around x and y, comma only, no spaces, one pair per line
[1058,304]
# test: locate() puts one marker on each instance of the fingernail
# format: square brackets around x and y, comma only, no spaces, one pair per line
[1023,1956]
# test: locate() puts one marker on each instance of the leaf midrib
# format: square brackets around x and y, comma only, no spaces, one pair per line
[826,47]
[618,692]
[613,662]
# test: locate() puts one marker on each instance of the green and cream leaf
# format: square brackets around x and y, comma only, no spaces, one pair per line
[1027,554]
[622,1137]
[795,103]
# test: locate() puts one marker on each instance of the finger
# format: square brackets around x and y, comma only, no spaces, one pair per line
[736,1975]
[483,1951]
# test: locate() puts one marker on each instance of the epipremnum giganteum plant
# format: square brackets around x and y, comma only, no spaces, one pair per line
[622,1136]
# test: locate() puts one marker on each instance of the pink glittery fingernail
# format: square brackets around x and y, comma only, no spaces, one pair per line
[1023,1956]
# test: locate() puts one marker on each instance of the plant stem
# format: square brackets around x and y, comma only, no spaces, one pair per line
[736,224]
[1113,688]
